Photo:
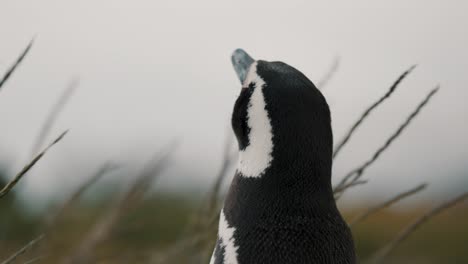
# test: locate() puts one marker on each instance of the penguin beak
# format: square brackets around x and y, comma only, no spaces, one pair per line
[241,62]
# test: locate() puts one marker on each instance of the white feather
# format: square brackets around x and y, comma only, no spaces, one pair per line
[213,258]
[256,157]
[226,233]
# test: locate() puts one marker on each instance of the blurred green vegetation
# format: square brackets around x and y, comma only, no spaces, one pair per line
[444,239]
[150,228]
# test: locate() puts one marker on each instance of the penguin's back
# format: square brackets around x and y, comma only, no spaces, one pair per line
[295,240]
[261,230]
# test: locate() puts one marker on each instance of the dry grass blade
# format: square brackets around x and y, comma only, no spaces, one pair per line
[337,194]
[106,168]
[330,73]
[26,168]
[34,260]
[152,169]
[16,64]
[356,174]
[104,227]
[228,160]
[198,230]
[53,114]
[381,254]
[387,203]
[22,250]
[209,207]
[366,113]
[181,247]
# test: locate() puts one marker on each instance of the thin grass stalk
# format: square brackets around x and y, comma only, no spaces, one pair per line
[369,110]
[26,168]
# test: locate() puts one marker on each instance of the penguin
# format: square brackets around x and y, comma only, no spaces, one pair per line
[280,206]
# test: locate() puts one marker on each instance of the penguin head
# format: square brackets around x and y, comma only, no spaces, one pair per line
[280,119]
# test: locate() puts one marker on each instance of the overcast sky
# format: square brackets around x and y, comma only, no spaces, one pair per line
[154,71]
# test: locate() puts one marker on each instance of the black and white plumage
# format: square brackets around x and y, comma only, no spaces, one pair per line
[280,206]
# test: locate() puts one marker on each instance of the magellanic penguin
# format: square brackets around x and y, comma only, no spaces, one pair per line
[280,206]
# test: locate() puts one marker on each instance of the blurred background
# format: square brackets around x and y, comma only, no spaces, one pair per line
[138,75]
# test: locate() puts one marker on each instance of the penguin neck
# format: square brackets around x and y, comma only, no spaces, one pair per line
[295,165]
[300,162]
[296,183]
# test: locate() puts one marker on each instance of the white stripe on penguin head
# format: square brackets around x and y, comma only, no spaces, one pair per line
[257,156]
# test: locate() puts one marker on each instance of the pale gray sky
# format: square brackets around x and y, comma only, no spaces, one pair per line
[152,71]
